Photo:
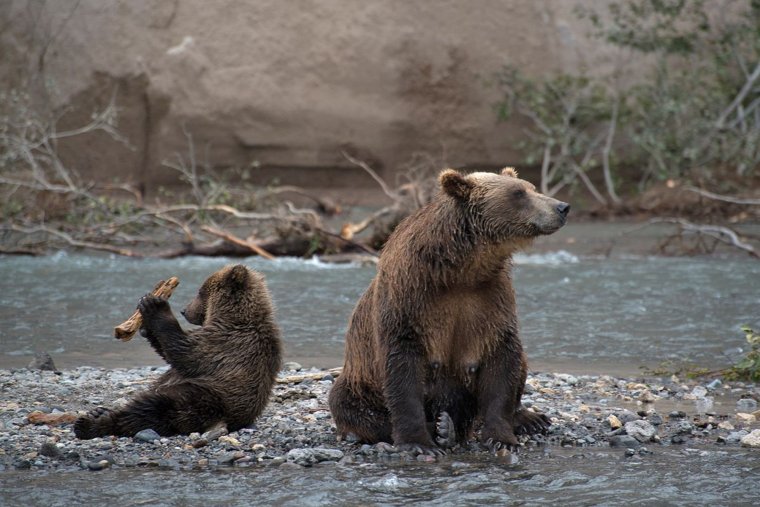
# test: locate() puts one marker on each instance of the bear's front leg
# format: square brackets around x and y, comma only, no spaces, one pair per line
[163,331]
[404,395]
[499,388]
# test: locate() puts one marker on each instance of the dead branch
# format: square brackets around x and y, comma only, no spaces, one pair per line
[127,329]
[383,185]
[75,242]
[325,205]
[724,198]
[717,232]
[238,241]
[296,379]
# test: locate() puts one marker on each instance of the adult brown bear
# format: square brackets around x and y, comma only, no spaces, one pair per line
[433,344]
[220,373]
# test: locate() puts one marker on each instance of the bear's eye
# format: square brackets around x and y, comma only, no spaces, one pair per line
[519,193]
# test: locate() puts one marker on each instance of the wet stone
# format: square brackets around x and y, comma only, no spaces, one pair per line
[654,418]
[148,435]
[626,416]
[624,441]
[42,361]
[746,405]
[640,430]
[751,440]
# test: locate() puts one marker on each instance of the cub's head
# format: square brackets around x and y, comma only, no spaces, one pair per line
[224,293]
[503,206]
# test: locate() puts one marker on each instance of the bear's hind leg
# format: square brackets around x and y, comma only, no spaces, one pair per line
[364,417]
[530,423]
[97,423]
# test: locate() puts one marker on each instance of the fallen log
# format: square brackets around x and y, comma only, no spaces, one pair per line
[127,329]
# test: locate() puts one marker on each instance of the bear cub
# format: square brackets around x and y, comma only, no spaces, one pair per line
[221,373]
[432,346]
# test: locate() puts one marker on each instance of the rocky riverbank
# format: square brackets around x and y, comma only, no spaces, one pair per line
[635,415]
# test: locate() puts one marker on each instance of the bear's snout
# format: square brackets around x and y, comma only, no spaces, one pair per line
[563,209]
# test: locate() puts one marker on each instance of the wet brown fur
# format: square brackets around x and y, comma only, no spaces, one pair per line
[222,372]
[436,331]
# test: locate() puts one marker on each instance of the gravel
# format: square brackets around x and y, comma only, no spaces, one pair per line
[296,429]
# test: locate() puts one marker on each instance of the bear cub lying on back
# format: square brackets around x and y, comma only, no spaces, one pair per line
[221,373]
[432,345]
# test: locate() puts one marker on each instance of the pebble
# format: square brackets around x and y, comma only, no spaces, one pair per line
[745,418]
[98,465]
[148,435]
[292,366]
[654,418]
[308,457]
[746,405]
[614,422]
[736,436]
[752,439]
[42,361]
[624,441]
[296,428]
[640,430]
[626,416]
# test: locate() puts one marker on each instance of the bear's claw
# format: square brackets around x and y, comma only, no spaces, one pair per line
[417,449]
[445,433]
[531,423]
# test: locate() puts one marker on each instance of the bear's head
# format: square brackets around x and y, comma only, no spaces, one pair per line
[502,206]
[222,294]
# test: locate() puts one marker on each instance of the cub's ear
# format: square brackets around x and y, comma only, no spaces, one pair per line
[238,275]
[455,184]
[509,171]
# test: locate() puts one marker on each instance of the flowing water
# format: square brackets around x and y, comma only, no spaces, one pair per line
[585,315]
[567,477]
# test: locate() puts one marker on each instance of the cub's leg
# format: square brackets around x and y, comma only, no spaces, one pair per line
[168,410]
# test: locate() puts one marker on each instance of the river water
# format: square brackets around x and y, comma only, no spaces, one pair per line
[578,315]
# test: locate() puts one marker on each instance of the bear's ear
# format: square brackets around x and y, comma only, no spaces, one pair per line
[455,184]
[509,171]
[238,275]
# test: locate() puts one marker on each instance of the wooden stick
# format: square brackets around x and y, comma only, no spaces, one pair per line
[127,329]
[300,377]
[238,241]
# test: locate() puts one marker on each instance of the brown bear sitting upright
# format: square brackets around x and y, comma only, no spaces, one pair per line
[433,344]
[221,373]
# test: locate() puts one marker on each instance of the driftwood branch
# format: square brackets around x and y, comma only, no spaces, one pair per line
[724,198]
[295,379]
[717,232]
[238,241]
[75,242]
[127,329]
[383,185]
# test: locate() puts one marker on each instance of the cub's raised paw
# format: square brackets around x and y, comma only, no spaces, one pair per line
[531,423]
[445,433]
[150,305]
